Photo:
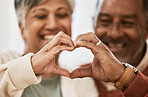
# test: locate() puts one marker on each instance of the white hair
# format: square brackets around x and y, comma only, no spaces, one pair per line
[23,6]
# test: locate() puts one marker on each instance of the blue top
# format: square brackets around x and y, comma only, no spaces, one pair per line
[47,88]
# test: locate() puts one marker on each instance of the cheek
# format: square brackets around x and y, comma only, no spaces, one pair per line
[100,32]
[34,28]
[67,26]
[32,38]
[134,35]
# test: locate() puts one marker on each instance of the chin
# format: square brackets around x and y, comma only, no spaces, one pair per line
[124,59]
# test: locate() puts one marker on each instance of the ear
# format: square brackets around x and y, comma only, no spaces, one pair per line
[22,31]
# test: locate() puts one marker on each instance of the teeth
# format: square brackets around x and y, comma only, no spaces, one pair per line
[118,45]
[49,37]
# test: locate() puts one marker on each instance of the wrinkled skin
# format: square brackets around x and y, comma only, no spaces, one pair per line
[123,29]
[105,66]
[42,23]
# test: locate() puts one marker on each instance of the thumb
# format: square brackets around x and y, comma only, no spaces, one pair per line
[61,71]
[81,72]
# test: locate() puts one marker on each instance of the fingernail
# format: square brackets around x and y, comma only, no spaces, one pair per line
[75,44]
[73,47]
[61,32]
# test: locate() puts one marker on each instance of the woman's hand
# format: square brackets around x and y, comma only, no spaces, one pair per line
[44,63]
[105,66]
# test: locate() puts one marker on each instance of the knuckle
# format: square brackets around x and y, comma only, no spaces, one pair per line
[90,33]
[62,72]
[59,39]
[79,36]
[61,32]
[81,73]
[58,47]
[86,42]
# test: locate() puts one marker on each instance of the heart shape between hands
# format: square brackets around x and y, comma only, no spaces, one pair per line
[76,58]
[79,57]
[81,41]
[47,64]
[101,69]
[44,61]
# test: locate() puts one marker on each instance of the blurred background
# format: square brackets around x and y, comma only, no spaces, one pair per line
[10,38]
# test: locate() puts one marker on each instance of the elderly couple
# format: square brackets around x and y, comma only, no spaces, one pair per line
[45,27]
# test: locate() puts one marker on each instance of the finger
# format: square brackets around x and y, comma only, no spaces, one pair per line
[56,50]
[65,41]
[85,65]
[65,35]
[86,44]
[53,42]
[49,55]
[76,39]
[60,48]
[90,37]
[61,71]
[81,72]
[81,35]
[96,49]
[64,38]
[60,40]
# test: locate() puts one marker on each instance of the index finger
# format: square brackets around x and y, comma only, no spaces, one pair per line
[81,72]
[60,39]
[89,37]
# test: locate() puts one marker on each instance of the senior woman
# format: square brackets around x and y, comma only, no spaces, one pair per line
[45,27]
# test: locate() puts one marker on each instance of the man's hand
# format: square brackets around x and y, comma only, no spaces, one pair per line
[44,63]
[105,66]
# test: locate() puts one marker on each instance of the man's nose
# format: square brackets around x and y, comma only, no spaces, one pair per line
[115,31]
[52,23]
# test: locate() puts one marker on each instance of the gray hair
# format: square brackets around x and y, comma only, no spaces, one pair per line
[98,7]
[23,6]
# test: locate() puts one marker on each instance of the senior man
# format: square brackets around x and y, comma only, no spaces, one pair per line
[122,26]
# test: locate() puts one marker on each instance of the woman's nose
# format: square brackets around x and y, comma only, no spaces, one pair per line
[52,23]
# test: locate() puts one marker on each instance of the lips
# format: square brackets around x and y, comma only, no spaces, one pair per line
[48,37]
[117,47]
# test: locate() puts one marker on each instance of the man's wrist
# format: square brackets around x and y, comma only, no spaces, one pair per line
[127,77]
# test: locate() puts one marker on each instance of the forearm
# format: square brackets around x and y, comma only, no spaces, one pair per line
[139,86]
[16,75]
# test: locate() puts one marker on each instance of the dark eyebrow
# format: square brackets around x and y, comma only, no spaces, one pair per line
[104,14]
[130,16]
[124,16]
